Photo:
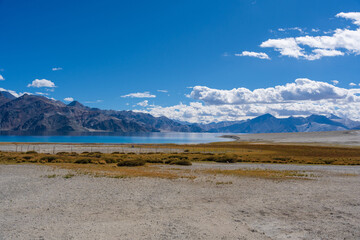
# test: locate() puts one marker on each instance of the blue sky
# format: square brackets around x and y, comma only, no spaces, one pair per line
[102,52]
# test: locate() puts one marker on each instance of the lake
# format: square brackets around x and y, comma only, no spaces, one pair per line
[179,138]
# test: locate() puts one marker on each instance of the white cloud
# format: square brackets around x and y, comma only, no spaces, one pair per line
[319,53]
[163,91]
[352,84]
[301,89]
[69,99]
[143,103]
[56,69]
[303,97]
[335,82]
[41,93]
[139,95]
[286,47]
[96,101]
[355,16]
[2,78]
[341,42]
[292,29]
[198,112]
[15,94]
[260,55]
[38,83]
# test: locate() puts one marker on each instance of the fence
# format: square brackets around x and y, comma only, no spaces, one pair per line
[79,148]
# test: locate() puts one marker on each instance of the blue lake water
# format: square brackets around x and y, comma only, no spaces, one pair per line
[179,138]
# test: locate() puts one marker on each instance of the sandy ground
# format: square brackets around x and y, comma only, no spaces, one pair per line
[350,138]
[33,206]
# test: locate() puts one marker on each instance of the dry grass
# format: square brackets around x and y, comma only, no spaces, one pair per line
[101,164]
[111,165]
[111,170]
[266,153]
[260,173]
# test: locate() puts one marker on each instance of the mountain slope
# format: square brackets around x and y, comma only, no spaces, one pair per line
[6,97]
[40,114]
[30,113]
[270,124]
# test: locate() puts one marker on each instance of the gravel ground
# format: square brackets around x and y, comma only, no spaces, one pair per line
[34,206]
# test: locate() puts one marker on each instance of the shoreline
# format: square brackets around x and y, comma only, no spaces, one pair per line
[349,138]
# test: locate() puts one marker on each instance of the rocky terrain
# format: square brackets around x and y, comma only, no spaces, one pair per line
[37,114]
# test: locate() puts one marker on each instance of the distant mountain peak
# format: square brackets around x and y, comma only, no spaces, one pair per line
[332,116]
[7,95]
[34,113]
[264,117]
[76,104]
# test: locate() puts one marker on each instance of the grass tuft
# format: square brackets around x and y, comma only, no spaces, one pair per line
[69,175]
[182,162]
[131,163]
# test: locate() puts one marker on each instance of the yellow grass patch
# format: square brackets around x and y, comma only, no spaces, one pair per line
[111,170]
[260,173]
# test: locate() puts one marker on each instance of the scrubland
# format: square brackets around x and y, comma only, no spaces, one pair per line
[208,191]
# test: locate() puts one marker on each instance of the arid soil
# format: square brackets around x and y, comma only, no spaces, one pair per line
[41,202]
[351,137]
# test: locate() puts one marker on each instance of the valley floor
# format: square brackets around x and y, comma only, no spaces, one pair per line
[349,138]
[44,202]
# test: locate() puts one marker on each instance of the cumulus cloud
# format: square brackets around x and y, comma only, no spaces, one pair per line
[335,82]
[139,95]
[301,89]
[354,16]
[352,84]
[341,42]
[260,55]
[69,99]
[302,97]
[286,47]
[2,78]
[38,83]
[56,69]
[198,112]
[143,103]
[163,91]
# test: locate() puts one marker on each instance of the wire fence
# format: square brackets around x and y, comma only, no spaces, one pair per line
[79,148]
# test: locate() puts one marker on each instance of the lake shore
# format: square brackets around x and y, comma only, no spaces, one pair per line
[334,138]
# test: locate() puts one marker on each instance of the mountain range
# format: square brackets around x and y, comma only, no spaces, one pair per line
[38,114]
